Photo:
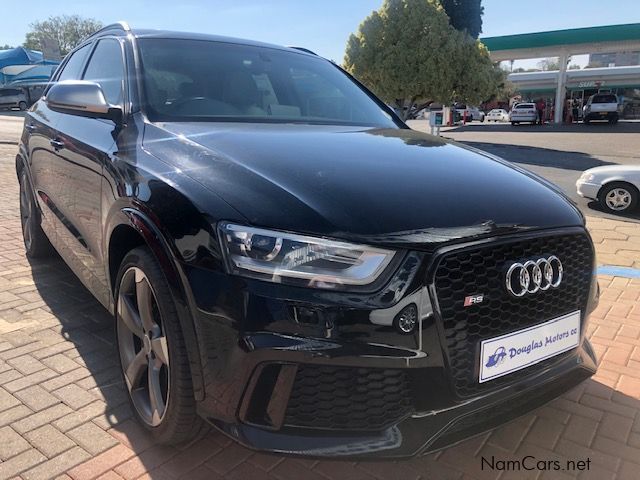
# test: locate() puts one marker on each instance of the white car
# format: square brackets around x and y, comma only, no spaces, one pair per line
[497,115]
[523,112]
[602,106]
[616,187]
[471,113]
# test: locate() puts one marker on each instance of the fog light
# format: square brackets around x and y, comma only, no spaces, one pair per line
[406,320]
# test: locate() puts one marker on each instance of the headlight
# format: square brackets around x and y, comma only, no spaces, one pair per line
[309,261]
[587,177]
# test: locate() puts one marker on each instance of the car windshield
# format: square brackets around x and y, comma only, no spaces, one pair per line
[199,80]
[524,106]
[604,99]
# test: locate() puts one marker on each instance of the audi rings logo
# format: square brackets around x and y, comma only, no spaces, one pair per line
[534,275]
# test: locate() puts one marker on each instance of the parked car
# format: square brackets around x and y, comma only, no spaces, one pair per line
[498,115]
[13,98]
[476,114]
[470,113]
[523,112]
[601,106]
[616,187]
[227,201]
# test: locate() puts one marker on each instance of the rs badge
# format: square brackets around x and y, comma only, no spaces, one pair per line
[473,299]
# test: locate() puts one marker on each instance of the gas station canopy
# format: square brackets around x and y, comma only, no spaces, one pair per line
[563,44]
[575,41]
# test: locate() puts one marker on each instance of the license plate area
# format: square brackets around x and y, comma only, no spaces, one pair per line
[514,351]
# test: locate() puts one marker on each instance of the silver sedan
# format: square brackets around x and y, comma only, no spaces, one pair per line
[616,187]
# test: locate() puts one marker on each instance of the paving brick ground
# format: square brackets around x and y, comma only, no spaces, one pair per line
[63,410]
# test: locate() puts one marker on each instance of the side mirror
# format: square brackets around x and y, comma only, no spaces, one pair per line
[84,98]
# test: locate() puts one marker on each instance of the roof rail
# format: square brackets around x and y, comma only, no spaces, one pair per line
[122,25]
[302,49]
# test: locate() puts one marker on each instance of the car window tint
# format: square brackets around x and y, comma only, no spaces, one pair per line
[106,67]
[604,99]
[194,80]
[72,70]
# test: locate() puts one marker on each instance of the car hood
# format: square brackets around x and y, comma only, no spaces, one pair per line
[376,185]
[615,170]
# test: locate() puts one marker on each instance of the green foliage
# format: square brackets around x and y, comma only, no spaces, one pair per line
[67,30]
[465,15]
[407,52]
[6,46]
[549,64]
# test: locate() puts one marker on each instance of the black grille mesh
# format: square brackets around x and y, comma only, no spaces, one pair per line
[481,270]
[348,398]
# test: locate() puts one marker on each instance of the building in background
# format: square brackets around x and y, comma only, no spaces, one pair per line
[581,84]
[564,88]
[617,59]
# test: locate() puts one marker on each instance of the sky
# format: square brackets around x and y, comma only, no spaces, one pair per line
[322,26]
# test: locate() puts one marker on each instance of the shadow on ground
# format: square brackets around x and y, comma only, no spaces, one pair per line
[86,324]
[11,113]
[543,157]
[619,216]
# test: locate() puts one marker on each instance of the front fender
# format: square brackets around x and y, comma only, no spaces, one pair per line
[176,279]
[618,178]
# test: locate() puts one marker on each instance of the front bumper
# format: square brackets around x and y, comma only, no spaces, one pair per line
[430,430]
[588,190]
[321,373]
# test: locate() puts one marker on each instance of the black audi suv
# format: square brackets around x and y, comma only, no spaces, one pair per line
[286,260]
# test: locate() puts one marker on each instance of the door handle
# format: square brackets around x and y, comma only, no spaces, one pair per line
[56,144]
[30,126]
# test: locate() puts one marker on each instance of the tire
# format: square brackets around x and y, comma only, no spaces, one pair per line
[618,197]
[36,243]
[22,106]
[586,120]
[613,119]
[161,397]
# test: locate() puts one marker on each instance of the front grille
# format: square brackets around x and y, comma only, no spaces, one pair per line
[481,270]
[348,398]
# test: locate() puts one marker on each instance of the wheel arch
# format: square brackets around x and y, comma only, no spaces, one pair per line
[609,181]
[134,229]
[22,165]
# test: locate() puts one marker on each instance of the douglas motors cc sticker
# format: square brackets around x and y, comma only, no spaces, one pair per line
[507,353]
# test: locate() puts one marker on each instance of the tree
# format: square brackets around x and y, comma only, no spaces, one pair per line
[67,30]
[549,64]
[407,51]
[6,46]
[465,15]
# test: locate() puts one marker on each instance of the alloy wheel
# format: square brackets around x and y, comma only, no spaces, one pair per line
[143,346]
[618,199]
